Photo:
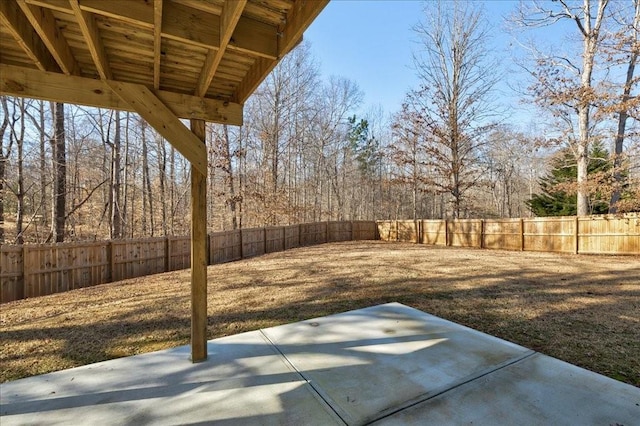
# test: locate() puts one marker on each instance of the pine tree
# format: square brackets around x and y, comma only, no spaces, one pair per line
[558,196]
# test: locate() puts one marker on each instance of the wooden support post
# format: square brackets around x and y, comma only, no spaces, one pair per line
[577,242]
[481,233]
[198,254]
[521,234]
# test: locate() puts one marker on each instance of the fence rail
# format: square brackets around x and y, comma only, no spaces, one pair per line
[41,269]
[37,270]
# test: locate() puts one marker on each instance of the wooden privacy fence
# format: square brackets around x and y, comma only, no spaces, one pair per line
[584,235]
[41,269]
[37,270]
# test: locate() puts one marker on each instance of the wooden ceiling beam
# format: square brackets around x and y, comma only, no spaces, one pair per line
[20,28]
[298,19]
[231,12]
[92,39]
[157,41]
[56,87]
[157,114]
[44,24]
[190,25]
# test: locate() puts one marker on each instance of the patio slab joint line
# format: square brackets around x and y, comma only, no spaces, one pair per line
[293,367]
[462,382]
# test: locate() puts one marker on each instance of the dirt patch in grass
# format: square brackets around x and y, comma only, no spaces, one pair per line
[581,309]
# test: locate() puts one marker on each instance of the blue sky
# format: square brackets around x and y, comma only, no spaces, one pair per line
[371,43]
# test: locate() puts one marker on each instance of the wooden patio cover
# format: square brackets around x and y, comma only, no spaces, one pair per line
[163,59]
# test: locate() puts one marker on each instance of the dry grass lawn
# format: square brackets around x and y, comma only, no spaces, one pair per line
[581,309]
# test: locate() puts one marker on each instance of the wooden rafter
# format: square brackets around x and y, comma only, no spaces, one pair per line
[231,12]
[298,19]
[44,24]
[15,21]
[22,82]
[92,39]
[157,41]
[188,25]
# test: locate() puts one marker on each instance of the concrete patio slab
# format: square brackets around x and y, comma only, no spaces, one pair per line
[388,364]
[244,381]
[373,361]
[538,390]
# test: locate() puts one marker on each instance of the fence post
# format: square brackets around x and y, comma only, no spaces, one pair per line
[167,255]
[326,232]
[481,233]
[111,261]
[264,240]
[284,238]
[577,234]
[24,271]
[521,234]
[446,232]
[241,246]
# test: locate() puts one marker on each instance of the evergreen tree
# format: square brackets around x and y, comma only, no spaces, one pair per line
[364,146]
[558,196]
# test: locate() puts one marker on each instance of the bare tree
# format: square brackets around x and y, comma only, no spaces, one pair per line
[455,98]
[627,45]
[562,85]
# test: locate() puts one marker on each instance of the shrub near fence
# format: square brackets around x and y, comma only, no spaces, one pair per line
[37,270]
[586,235]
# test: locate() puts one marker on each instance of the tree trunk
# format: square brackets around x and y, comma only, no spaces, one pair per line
[116,214]
[20,193]
[622,117]
[591,38]
[147,198]
[43,164]
[4,155]
[162,176]
[60,174]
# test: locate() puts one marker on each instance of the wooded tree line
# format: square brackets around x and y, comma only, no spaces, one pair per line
[307,153]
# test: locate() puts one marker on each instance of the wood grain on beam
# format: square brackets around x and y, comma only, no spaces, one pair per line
[22,82]
[92,39]
[157,41]
[160,117]
[20,28]
[231,12]
[198,253]
[191,25]
[298,19]
[44,24]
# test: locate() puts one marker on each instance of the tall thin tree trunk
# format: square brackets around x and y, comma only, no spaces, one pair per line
[4,155]
[147,196]
[43,164]
[60,174]
[116,215]
[20,193]
[162,177]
